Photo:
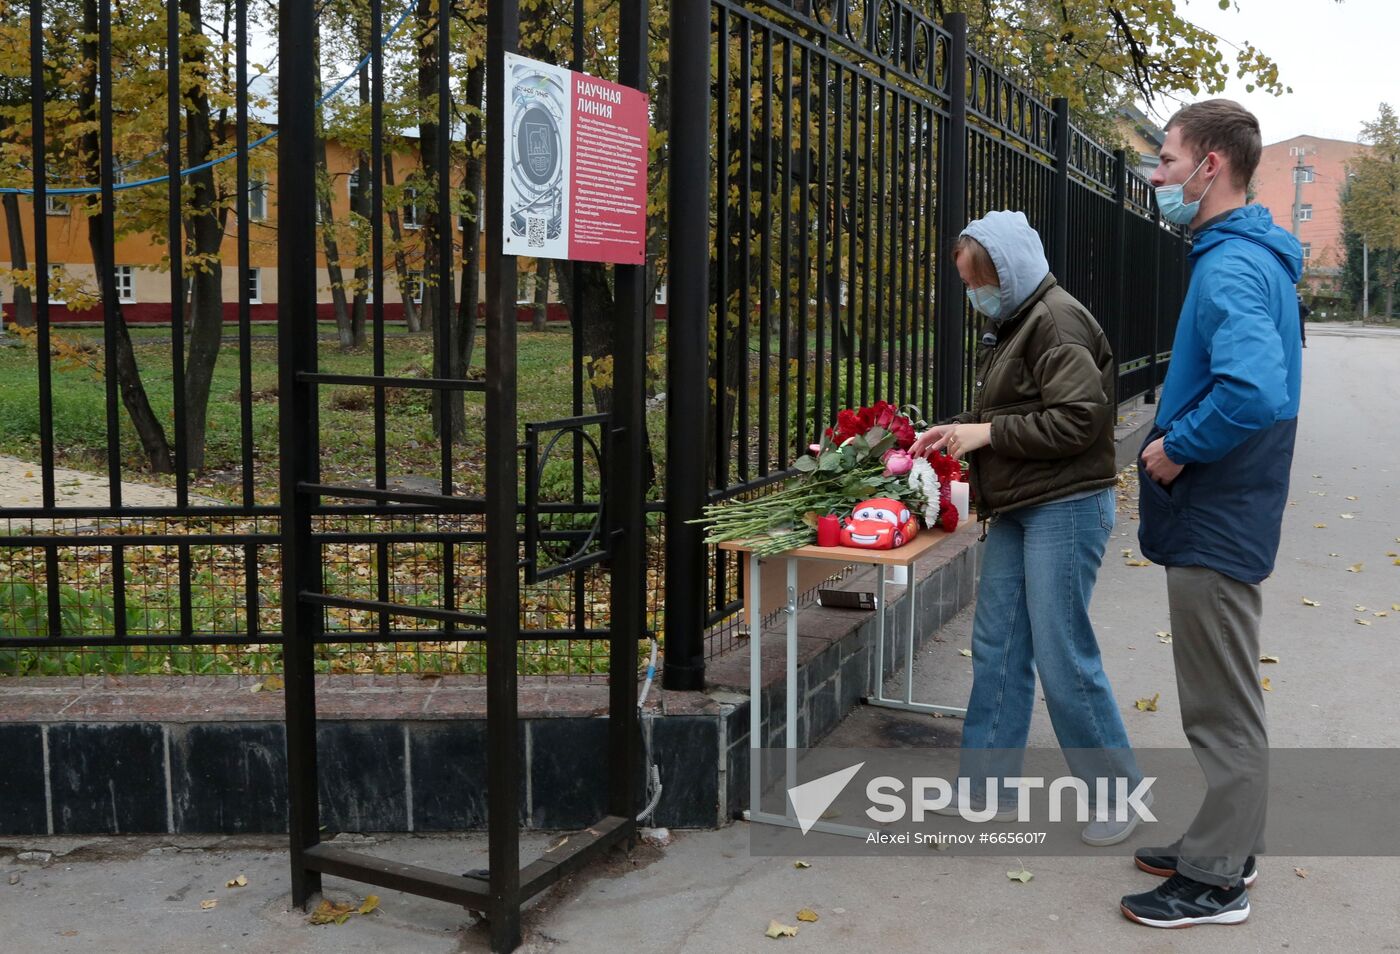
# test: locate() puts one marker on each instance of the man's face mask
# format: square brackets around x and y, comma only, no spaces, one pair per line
[985,299]
[1171,200]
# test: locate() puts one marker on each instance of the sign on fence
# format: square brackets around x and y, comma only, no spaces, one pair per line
[575,165]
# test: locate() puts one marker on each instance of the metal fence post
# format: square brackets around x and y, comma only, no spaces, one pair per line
[1059,205]
[950,333]
[1151,396]
[296,343]
[1120,262]
[625,514]
[687,344]
[502,471]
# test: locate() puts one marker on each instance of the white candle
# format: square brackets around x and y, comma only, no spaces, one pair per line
[959,494]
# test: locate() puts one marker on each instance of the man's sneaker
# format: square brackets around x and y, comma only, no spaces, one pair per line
[1162,863]
[1181,902]
[1101,834]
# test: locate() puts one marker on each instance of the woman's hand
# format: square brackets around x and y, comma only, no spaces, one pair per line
[930,440]
[963,439]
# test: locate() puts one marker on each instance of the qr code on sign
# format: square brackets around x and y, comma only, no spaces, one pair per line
[535,231]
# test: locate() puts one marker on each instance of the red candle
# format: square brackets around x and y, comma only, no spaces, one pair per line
[829,531]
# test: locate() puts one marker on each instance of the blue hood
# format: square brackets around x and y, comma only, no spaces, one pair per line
[1254,223]
[1017,253]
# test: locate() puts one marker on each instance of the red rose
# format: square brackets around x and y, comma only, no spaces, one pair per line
[884,414]
[903,432]
[866,416]
[848,425]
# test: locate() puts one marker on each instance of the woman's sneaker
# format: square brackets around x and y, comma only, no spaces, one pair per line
[1101,834]
[1006,811]
[1182,902]
[1162,863]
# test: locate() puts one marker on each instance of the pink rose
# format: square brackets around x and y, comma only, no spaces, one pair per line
[815,448]
[897,462]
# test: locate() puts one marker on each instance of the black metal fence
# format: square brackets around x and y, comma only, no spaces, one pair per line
[821,158]
[845,145]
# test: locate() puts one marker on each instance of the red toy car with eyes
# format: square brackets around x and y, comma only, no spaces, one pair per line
[881,523]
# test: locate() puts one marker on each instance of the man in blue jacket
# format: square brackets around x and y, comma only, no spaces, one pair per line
[1214,484]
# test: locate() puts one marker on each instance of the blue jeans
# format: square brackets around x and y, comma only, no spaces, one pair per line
[1039,565]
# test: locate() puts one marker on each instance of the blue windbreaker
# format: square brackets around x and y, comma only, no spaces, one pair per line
[1229,405]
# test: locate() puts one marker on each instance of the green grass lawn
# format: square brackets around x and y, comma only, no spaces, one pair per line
[347,454]
[346,413]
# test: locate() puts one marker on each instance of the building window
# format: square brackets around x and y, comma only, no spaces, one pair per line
[56,205]
[56,296]
[1307,251]
[353,188]
[1304,213]
[415,288]
[411,217]
[255,286]
[1295,150]
[257,200]
[1304,174]
[126,284]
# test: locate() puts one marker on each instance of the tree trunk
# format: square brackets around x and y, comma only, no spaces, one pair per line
[468,313]
[540,317]
[19,260]
[133,393]
[325,189]
[206,233]
[410,308]
[599,342]
[362,208]
[436,272]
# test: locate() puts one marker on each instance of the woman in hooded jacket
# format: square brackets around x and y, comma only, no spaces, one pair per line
[1039,437]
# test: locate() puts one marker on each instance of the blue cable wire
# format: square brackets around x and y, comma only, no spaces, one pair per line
[122,187]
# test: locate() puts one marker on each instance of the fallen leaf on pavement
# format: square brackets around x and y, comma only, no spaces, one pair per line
[1359,608]
[1380,613]
[1308,602]
[240,882]
[328,912]
[1347,516]
[1164,637]
[1268,686]
[964,652]
[1148,705]
[1395,606]
[1022,876]
[1320,526]
[1351,498]
[209,904]
[1268,659]
[1363,622]
[807,914]
[802,864]
[780,930]
[1138,563]
[1355,568]
[1301,872]
[371,902]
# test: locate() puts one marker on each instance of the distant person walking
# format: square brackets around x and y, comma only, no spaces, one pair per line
[1214,485]
[1303,312]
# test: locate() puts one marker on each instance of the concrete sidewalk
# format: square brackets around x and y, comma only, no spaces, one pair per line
[1334,685]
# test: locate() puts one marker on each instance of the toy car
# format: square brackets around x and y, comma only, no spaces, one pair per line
[881,523]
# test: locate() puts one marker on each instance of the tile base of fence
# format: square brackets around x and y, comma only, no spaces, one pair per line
[208,755]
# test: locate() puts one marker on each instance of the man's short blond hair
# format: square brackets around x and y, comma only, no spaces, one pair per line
[1225,127]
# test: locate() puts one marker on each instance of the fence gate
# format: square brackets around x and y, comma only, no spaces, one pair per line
[481,545]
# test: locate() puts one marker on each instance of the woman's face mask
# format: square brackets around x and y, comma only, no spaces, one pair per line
[985,299]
